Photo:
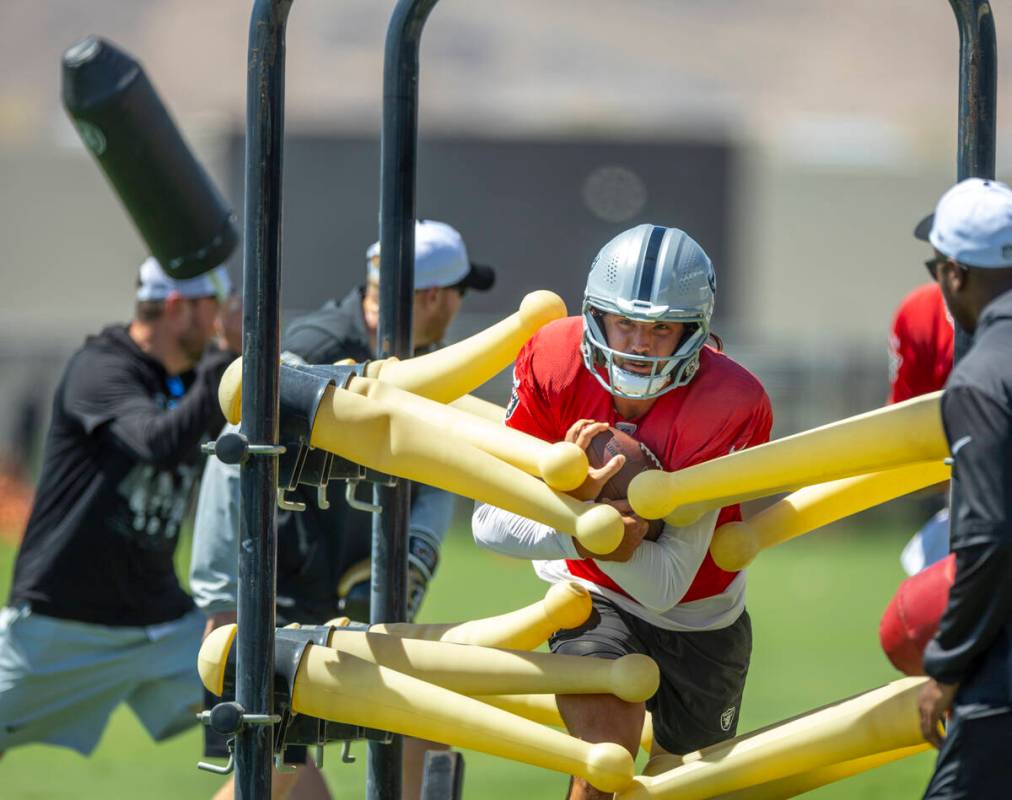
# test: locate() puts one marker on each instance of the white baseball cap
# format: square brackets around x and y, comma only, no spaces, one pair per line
[153,283]
[972,224]
[440,259]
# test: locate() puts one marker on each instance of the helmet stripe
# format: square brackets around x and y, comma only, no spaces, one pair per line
[650,264]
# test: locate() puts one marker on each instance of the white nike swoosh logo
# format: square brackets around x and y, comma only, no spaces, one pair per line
[959,444]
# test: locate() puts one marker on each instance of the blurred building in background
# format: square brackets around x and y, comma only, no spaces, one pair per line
[798,141]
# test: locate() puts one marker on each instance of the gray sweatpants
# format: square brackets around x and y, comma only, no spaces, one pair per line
[60,680]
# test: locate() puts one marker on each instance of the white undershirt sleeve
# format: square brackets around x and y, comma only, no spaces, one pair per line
[659,573]
[518,537]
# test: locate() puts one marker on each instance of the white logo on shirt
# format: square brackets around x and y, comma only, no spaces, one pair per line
[959,444]
[727,718]
[514,396]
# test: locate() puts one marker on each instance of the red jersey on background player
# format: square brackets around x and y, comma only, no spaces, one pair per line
[920,359]
[638,360]
[920,344]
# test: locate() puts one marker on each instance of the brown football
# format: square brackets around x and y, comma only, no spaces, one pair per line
[610,443]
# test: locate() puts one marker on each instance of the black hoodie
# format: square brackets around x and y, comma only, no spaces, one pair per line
[120,465]
[974,641]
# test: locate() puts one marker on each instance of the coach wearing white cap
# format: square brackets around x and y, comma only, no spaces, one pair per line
[96,615]
[443,275]
[969,661]
[323,553]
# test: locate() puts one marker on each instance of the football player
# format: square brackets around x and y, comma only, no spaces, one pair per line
[641,358]
[920,359]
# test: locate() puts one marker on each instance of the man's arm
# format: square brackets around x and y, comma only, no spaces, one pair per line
[107,397]
[659,573]
[518,537]
[980,601]
[214,560]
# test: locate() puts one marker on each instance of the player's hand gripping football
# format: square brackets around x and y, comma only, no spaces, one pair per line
[581,432]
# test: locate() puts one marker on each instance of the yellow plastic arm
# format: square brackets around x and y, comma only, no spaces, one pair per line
[894,436]
[736,544]
[388,437]
[881,720]
[446,374]
[470,669]
[480,408]
[342,688]
[544,709]
[793,785]
[565,605]
[562,465]
[393,431]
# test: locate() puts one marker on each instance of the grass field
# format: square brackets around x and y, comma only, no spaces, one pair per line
[815,605]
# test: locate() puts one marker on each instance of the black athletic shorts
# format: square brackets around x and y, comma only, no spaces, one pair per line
[702,672]
[974,762]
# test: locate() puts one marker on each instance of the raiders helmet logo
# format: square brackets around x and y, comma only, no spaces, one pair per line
[727,718]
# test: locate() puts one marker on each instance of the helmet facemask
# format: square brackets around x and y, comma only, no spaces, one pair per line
[666,373]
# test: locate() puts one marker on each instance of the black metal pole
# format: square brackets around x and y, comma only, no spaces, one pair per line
[399,143]
[978,69]
[977,116]
[261,349]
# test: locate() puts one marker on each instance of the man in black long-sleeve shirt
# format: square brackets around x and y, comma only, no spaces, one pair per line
[970,659]
[96,615]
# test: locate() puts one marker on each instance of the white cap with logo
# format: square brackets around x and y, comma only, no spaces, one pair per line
[153,283]
[440,259]
[972,224]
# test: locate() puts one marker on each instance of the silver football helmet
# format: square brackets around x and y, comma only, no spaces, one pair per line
[649,274]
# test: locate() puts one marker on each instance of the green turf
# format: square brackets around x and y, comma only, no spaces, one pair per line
[815,606]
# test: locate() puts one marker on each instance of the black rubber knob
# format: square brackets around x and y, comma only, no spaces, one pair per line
[231,448]
[226,718]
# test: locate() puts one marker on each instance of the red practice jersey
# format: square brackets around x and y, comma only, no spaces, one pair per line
[920,344]
[723,409]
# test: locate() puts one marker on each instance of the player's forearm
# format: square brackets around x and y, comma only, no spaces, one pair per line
[980,603]
[164,437]
[518,537]
[659,573]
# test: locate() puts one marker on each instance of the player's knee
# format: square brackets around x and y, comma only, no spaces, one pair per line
[603,718]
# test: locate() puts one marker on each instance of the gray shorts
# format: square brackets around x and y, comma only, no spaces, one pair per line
[60,680]
[702,672]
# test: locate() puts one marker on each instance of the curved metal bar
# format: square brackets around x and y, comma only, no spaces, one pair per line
[261,347]
[977,88]
[399,143]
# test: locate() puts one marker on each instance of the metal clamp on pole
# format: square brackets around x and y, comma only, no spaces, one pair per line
[302,389]
[228,719]
[290,727]
[234,448]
